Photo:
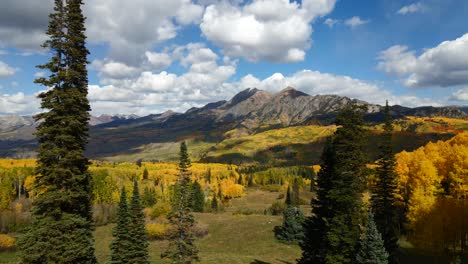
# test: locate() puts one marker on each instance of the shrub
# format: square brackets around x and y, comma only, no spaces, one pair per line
[160,209]
[157,231]
[277,208]
[7,243]
[200,230]
[247,211]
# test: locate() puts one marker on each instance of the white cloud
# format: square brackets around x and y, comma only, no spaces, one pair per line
[355,21]
[3,52]
[23,23]
[397,60]
[460,95]
[443,66]
[315,82]
[133,27]
[156,92]
[159,61]
[331,22]
[6,70]
[40,74]
[18,103]
[109,69]
[273,30]
[413,8]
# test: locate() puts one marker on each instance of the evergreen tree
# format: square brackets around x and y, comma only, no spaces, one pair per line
[138,249]
[250,182]
[198,198]
[332,232]
[122,238]
[214,203]
[149,197]
[289,199]
[220,194]
[295,195]
[208,175]
[145,174]
[139,162]
[61,231]
[181,247]
[371,246]
[384,199]
[291,231]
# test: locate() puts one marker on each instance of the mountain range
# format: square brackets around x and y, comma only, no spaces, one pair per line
[250,111]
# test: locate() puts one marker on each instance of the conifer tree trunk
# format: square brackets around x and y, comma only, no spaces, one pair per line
[61,231]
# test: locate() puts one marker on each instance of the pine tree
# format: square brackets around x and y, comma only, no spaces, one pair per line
[291,231]
[138,249]
[61,231]
[122,238]
[371,246]
[332,232]
[149,197]
[315,227]
[198,198]
[295,194]
[214,203]
[208,175]
[289,199]
[181,247]
[384,200]
[145,174]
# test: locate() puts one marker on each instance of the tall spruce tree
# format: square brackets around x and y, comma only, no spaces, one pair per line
[138,249]
[182,249]
[371,246]
[61,231]
[289,199]
[121,243]
[291,231]
[384,200]
[296,199]
[198,198]
[332,232]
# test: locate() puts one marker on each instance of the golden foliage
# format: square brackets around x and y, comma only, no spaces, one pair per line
[433,187]
[157,231]
[7,242]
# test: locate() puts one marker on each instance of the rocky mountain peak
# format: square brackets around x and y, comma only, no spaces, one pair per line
[290,92]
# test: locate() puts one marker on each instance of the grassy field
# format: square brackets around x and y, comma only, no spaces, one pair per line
[239,239]
[232,238]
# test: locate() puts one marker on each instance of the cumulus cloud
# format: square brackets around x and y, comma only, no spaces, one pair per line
[18,103]
[273,30]
[132,27]
[149,91]
[355,21]
[23,23]
[442,66]
[460,95]
[331,22]
[6,70]
[158,61]
[128,27]
[40,74]
[315,82]
[412,8]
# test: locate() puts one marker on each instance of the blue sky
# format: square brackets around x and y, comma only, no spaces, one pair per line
[148,56]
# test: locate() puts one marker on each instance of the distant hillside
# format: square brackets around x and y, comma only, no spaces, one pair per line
[250,112]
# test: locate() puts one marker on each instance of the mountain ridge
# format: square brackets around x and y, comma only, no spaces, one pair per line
[248,112]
